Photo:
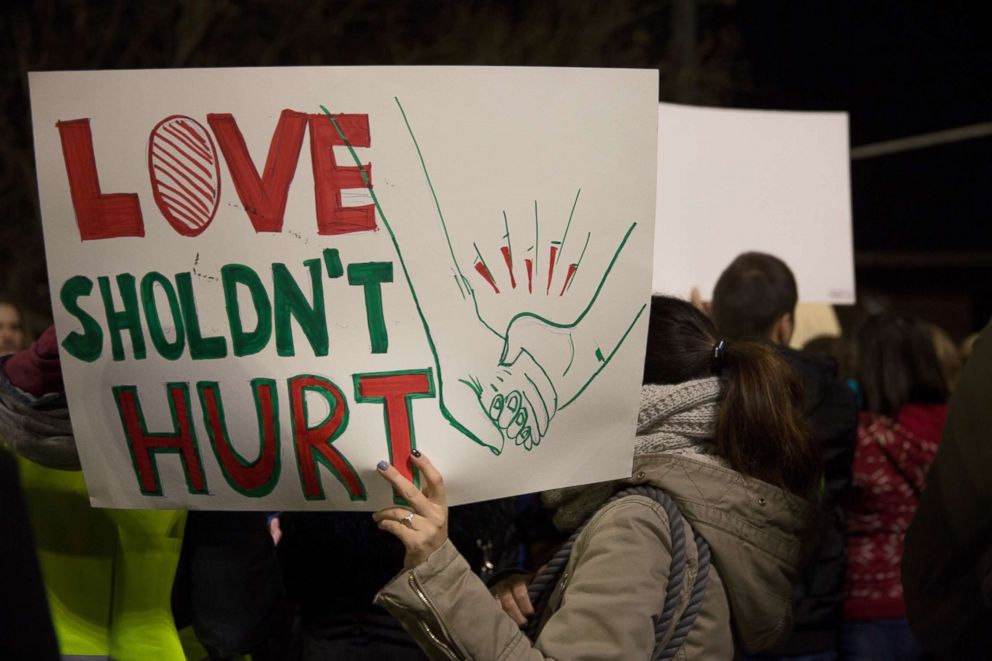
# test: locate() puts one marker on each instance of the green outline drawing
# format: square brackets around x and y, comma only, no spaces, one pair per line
[460,278]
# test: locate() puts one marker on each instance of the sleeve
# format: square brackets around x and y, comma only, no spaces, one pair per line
[37,428]
[947,562]
[615,587]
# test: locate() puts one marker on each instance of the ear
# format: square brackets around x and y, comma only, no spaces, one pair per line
[782,329]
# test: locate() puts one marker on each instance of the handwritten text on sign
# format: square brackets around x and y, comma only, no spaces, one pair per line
[258,304]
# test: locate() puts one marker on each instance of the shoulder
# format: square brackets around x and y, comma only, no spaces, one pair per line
[627,525]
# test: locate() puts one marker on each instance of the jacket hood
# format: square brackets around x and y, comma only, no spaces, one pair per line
[758,535]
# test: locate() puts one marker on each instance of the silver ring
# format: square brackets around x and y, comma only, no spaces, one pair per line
[408,520]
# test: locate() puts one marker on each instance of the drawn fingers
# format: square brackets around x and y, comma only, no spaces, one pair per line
[523,406]
[514,415]
[539,409]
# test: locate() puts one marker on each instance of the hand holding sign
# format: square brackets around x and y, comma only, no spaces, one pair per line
[424,529]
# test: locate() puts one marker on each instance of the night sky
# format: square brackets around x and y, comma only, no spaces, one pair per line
[922,227]
[899,69]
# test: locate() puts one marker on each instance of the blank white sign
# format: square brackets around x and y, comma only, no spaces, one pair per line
[731,181]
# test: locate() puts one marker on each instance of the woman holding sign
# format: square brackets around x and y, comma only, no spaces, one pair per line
[707,532]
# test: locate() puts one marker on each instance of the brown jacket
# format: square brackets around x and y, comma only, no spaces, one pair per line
[612,589]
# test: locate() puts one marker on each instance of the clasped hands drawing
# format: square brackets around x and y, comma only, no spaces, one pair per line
[508,381]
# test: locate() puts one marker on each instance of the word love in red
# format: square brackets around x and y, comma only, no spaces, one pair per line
[184,173]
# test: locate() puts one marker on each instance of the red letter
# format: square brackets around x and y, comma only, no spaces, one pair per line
[144,446]
[329,178]
[263,199]
[185,173]
[259,477]
[313,444]
[98,216]
[395,390]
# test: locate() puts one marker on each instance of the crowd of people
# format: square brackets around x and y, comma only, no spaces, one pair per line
[765,517]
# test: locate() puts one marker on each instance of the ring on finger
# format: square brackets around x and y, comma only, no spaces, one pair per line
[408,520]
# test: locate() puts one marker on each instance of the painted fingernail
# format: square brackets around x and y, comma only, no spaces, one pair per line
[382,465]
[415,452]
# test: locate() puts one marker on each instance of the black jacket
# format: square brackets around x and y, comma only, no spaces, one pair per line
[833,416]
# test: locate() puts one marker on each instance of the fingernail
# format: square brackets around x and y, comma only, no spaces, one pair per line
[382,465]
[415,452]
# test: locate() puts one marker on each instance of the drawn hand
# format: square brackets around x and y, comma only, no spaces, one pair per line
[564,358]
[523,402]
[551,364]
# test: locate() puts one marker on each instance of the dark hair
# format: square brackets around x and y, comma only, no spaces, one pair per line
[761,430]
[752,294]
[898,364]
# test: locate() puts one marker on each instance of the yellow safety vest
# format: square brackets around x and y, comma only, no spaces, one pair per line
[108,573]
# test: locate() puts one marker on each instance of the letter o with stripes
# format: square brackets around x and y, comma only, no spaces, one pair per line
[185,173]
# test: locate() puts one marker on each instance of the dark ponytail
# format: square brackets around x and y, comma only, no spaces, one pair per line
[762,429]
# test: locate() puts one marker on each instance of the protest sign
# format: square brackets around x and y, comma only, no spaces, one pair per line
[731,181]
[266,280]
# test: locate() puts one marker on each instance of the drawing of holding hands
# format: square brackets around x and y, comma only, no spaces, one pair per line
[507,384]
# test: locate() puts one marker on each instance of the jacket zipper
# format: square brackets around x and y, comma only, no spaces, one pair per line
[446,644]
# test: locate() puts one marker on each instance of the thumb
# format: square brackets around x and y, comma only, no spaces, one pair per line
[512,346]
[463,408]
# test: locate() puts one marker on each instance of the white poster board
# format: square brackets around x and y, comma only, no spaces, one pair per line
[732,181]
[267,280]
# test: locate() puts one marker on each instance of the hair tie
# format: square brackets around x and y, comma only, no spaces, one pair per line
[719,355]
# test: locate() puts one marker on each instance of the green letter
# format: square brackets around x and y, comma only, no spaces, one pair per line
[290,301]
[127,319]
[246,343]
[168,350]
[371,275]
[200,348]
[88,345]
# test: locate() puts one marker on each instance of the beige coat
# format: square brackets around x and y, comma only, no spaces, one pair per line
[611,592]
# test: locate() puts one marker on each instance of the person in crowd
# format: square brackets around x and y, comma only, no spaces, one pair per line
[722,432]
[898,432]
[12,335]
[947,560]
[124,584]
[755,299]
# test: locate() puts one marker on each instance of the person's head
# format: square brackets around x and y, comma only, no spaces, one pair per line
[761,429]
[12,336]
[755,299]
[898,364]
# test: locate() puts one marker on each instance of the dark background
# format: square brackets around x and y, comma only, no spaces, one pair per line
[922,231]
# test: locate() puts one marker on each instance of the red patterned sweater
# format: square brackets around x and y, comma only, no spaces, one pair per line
[890,454]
